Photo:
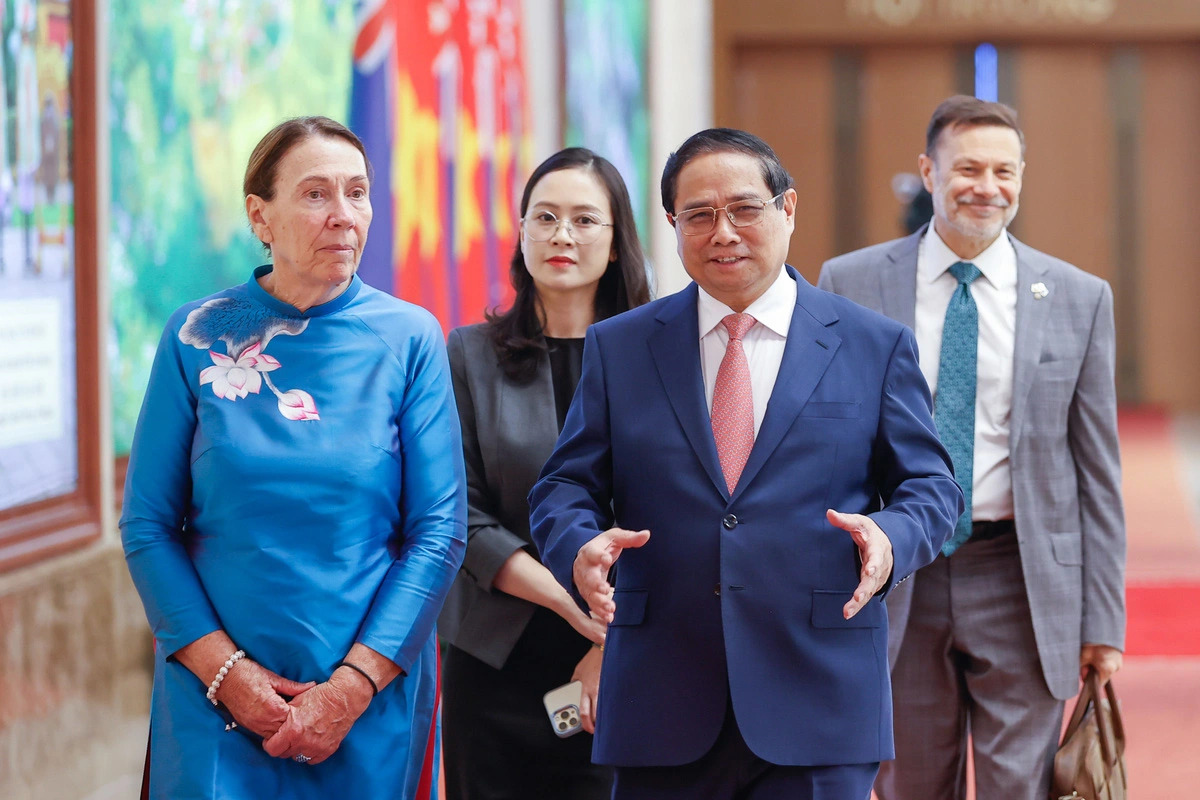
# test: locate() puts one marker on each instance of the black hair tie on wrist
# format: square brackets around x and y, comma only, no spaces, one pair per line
[363,672]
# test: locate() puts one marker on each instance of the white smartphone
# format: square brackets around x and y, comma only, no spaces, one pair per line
[562,705]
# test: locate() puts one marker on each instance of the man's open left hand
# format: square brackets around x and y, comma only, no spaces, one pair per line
[875,553]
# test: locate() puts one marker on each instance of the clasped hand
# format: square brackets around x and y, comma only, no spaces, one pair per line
[319,719]
[313,723]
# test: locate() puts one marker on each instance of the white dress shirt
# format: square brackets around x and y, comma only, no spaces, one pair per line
[763,343]
[995,294]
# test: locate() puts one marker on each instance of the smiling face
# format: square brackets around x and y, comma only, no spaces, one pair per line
[734,265]
[562,264]
[974,177]
[316,223]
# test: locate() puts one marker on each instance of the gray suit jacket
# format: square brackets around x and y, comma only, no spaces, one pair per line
[508,432]
[1063,448]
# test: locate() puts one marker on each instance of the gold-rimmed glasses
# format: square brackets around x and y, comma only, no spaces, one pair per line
[742,214]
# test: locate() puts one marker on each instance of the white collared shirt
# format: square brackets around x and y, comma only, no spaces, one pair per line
[763,343]
[995,294]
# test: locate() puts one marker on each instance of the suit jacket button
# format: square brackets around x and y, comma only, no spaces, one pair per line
[717,591]
[729,522]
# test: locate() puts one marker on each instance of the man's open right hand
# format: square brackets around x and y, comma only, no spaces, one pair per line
[592,564]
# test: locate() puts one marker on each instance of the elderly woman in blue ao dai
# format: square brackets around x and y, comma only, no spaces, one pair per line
[294,508]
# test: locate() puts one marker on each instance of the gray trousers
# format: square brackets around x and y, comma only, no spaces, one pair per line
[968,664]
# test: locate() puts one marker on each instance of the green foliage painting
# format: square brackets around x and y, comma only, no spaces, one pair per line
[604,49]
[193,86]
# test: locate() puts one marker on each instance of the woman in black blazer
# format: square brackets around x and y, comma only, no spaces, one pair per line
[513,632]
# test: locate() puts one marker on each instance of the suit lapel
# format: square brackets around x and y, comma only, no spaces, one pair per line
[675,348]
[806,355]
[898,280]
[1032,315]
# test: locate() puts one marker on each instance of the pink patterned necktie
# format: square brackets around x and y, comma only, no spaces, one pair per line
[733,405]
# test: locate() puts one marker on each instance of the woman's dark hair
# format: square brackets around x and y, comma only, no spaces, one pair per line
[516,333]
[263,165]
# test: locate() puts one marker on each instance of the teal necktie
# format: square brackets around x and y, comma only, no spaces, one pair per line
[954,408]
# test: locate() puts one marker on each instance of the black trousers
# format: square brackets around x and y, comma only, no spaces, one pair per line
[497,743]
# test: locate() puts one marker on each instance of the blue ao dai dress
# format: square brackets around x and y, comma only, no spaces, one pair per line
[296,479]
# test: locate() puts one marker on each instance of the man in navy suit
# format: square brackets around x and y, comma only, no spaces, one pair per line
[761,457]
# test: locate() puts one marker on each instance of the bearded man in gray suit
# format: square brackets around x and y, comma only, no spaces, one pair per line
[993,637]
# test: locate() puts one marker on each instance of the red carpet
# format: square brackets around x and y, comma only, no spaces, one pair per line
[1163,581]
[1163,620]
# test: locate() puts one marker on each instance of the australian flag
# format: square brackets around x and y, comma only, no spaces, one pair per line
[372,118]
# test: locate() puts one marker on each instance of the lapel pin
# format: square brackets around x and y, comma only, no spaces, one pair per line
[1039,290]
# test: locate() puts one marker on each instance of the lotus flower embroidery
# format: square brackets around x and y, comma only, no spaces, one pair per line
[297,404]
[235,378]
[246,329]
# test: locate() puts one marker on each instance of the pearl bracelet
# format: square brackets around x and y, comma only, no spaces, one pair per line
[211,694]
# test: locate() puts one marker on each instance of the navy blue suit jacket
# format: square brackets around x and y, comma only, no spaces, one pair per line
[741,597]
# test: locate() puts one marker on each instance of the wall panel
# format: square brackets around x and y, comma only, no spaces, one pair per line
[785,96]
[1110,106]
[1066,201]
[1169,276]
[901,87]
